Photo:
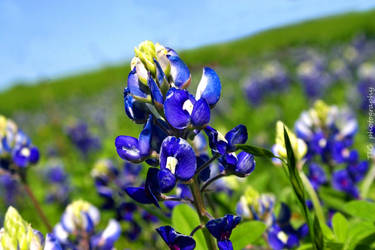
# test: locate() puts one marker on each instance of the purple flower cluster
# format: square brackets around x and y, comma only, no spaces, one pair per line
[171,141]
[81,137]
[272,78]
[329,133]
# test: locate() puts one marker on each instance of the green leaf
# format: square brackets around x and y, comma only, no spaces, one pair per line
[357,232]
[298,188]
[184,220]
[361,209]
[340,227]
[327,232]
[247,233]
[256,151]
[307,246]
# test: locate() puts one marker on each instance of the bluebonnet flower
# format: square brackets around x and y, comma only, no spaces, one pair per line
[9,188]
[342,181]
[138,150]
[177,162]
[272,78]
[314,78]
[77,228]
[81,137]
[59,186]
[18,234]
[222,228]
[366,75]
[16,150]
[316,175]
[281,234]
[176,240]
[255,206]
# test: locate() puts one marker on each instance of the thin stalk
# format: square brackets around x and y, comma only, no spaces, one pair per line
[196,229]
[207,163]
[207,183]
[38,207]
[369,179]
[314,198]
[200,207]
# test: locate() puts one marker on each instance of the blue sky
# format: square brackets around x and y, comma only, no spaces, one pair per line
[43,39]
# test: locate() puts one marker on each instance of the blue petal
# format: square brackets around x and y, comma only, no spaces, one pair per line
[159,73]
[284,214]
[152,185]
[52,243]
[109,236]
[209,87]
[127,148]
[237,135]
[180,72]
[138,194]
[200,115]
[173,107]
[157,96]
[167,180]
[225,245]
[34,155]
[183,152]
[245,164]
[144,140]
[136,111]
[135,87]
[184,242]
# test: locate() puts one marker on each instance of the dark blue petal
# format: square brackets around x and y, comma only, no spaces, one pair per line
[184,242]
[284,214]
[157,96]
[167,180]
[34,155]
[136,111]
[237,135]
[201,113]
[180,72]
[138,194]
[225,245]
[160,76]
[173,107]
[209,87]
[127,148]
[152,185]
[144,141]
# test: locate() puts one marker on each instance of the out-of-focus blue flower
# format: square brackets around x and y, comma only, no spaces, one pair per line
[366,75]
[282,235]
[316,175]
[15,146]
[176,240]
[80,135]
[222,228]
[78,223]
[253,205]
[59,186]
[278,239]
[272,78]
[314,78]
[177,162]
[9,188]
[342,181]
[356,168]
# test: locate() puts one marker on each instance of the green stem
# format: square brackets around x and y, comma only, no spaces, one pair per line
[38,207]
[200,207]
[205,185]
[369,179]
[314,198]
